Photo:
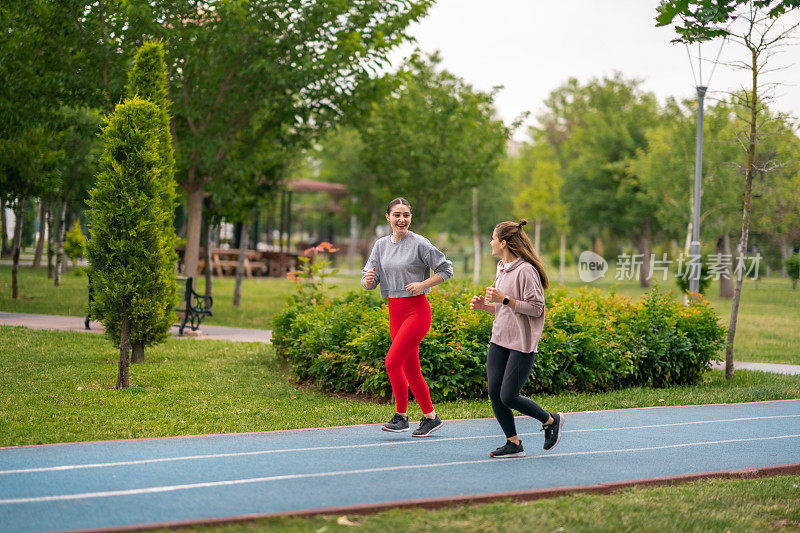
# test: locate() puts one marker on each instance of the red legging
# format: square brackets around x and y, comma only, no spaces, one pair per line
[409,321]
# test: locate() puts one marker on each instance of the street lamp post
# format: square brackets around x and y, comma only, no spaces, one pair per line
[695,261]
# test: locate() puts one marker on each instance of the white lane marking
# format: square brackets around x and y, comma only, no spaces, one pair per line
[171,488]
[370,445]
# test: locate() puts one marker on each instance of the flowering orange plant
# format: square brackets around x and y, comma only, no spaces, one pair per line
[310,278]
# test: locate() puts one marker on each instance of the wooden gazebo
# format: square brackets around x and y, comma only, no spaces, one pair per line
[336,191]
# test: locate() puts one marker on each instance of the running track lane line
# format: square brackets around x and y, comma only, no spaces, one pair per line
[274,431]
[172,488]
[371,445]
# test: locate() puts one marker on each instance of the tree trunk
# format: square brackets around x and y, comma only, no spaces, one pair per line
[643,245]
[742,248]
[15,247]
[123,373]
[537,233]
[562,259]
[5,248]
[786,252]
[207,267]
[476,240]
[195,217]
[726,276]
[37,256]
[597,245]
[137,355]
[687,246]
[244,237]
[62,226]
[50,236]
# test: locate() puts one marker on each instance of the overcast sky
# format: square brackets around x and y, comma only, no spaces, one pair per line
[530,47]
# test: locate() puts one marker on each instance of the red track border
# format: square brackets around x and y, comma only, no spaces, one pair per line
[519,496]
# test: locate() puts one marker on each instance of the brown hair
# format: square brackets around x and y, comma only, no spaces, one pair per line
[520,245]
[398,200]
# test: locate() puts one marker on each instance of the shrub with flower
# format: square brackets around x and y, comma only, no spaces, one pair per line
[310,279]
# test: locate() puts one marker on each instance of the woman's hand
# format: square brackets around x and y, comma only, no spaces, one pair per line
[416,288]
[479,304]
[369,279]
[494,295]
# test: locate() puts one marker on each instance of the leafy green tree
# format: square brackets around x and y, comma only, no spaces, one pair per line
[262,74]
[702,20]
[242,76]
[77,136]
[28,169]
[433,137]
[338,158]
[131,245]
[538,180]
[793,269]
[75,243]
[495,199]
[776,215]
[666,167]
[755,26]
[596,130]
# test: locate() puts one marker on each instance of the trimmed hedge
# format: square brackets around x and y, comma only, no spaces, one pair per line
[592,341]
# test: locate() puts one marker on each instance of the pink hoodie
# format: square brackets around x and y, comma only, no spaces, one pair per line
[519,329]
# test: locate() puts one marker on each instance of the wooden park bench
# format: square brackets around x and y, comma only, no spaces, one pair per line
[196,307]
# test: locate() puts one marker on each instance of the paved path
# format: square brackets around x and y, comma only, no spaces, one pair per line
[764,367]
[72,323]
[361,468]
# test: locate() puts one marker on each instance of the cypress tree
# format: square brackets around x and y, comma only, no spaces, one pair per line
[148,80]
[131,254]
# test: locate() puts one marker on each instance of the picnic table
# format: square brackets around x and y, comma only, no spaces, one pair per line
[271,263]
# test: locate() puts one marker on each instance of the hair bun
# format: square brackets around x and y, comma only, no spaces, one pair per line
[522,223]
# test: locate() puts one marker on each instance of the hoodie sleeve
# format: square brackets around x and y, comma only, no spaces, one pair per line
[532,302]
[372,262]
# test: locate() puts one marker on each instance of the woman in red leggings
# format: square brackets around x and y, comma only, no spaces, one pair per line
[401,263]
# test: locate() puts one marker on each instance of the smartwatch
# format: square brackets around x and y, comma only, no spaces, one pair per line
[505,300]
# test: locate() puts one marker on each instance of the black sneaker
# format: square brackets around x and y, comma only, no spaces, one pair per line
[552,432]
[397,424]
[509,450]
[427,426]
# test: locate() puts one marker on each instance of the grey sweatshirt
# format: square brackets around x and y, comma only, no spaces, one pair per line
[399,263]
[520,328]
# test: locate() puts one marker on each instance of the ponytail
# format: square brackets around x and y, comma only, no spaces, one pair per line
[520,245]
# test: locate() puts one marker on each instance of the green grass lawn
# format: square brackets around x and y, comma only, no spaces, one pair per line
[767,328]
[766,504]
[57,386]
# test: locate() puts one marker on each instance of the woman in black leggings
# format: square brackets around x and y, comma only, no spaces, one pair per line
[517,300]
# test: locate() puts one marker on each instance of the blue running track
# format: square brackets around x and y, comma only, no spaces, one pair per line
[217,477]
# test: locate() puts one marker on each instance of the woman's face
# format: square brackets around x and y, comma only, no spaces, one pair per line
[497,245]
[399,217]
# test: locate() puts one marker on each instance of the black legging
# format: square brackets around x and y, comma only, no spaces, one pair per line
[507,371]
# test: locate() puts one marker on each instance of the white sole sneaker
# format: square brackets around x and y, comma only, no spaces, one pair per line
[428,434]
[395,430]
[560,428]
[508,456]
